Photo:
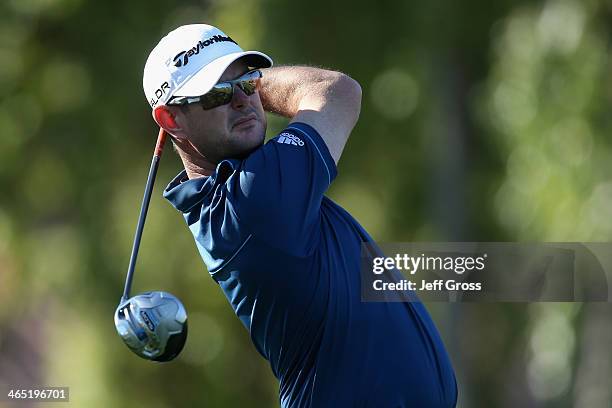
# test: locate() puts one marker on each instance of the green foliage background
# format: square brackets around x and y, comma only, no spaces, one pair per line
[481,121]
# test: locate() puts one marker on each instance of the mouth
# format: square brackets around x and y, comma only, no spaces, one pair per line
[245,121]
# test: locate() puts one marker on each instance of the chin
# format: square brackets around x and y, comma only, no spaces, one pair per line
[248,140]
[253,135]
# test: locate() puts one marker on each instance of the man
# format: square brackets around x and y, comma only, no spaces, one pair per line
[286,256]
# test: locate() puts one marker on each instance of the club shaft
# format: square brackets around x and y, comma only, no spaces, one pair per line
[143,212]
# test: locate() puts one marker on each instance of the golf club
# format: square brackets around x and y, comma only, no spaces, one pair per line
[152,324]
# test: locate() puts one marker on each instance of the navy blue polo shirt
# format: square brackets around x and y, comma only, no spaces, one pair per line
[288,260]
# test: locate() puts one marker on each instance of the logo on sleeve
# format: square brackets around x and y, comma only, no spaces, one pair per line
[288,138]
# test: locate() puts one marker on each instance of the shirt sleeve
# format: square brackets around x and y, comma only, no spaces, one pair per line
[280,188]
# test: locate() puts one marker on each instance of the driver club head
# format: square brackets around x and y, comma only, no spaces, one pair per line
[153,325]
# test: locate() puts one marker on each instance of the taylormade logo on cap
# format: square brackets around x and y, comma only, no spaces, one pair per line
[182,58]
[190,60]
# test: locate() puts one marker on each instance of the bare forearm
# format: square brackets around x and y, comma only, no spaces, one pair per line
[284,87]
[328,101]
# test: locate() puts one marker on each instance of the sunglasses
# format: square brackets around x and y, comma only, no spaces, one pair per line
[222,92]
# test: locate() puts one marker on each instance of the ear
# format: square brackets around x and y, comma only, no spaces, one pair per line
[165,117]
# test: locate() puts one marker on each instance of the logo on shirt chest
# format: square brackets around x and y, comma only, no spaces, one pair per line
[288,138]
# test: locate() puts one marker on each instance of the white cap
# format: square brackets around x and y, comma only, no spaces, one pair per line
[189,60]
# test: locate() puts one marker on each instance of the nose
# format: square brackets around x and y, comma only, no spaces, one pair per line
[239,99]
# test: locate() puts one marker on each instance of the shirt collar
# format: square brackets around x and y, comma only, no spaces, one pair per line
[184,193]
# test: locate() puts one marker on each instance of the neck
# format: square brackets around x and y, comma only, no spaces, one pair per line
[197,166]
[195,170]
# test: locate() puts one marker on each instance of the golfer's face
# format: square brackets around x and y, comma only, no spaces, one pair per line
[233,130]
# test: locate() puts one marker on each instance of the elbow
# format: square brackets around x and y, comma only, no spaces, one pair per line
[350,92]
[349,87]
